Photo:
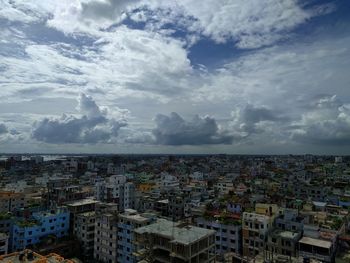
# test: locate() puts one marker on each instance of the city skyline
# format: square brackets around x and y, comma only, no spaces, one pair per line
[236,77]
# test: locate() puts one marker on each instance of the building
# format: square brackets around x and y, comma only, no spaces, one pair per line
[10,201]
[167,241]
[116,189]
[318,249]
[29,231]
[62,191]
[84,231]
[80,206]
[127,222]
[30,256]
[105,242]
[287,231]
[3,243]
[228,237]
[255,228]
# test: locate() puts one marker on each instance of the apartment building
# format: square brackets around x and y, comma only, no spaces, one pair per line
[105,240]
[127,222]
[84,231]
[116,189]
[32,230]
[287,231]
[228,234]
[10,201]
[255,228]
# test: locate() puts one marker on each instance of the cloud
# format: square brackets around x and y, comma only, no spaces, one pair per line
[93,126]
[327,123]
[250,24]
[254,119]
[3,129]
[174,130]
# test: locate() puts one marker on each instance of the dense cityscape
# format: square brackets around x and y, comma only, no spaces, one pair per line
[174,208]
[174,131]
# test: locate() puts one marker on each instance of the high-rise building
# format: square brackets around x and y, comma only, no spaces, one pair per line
[105,242]
[84,230]
[127,222]
[116,189]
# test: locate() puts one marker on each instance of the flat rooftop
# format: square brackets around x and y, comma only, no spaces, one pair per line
[133,215]
[85,201]
[184,235]
[285,234]
[315,242]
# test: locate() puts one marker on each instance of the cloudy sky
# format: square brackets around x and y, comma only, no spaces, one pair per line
[181,76]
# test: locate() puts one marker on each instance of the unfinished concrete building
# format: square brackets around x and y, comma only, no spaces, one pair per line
[166,241]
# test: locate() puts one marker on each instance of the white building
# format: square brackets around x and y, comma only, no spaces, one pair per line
[116,189]
[168,181]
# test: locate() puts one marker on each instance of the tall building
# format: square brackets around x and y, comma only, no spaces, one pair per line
[127,222]
[167,241]
[255,228]
[105,242]
[287,231]
[84,230]
[116,189]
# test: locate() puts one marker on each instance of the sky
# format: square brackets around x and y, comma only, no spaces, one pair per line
[180,76]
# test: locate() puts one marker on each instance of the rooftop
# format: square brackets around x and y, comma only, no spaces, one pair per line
[133,215]
[285,234]
[86,201]
[315,242]
[184,235]
[32,257]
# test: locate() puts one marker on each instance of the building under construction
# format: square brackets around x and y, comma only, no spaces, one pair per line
[167,241]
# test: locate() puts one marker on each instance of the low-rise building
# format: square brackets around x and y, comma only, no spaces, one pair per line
[167,241]
[32,230]
[10,201]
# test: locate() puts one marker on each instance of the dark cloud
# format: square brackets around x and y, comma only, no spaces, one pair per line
[248,120]
[93,126]
[326,123]
[174,130]
[3,129]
